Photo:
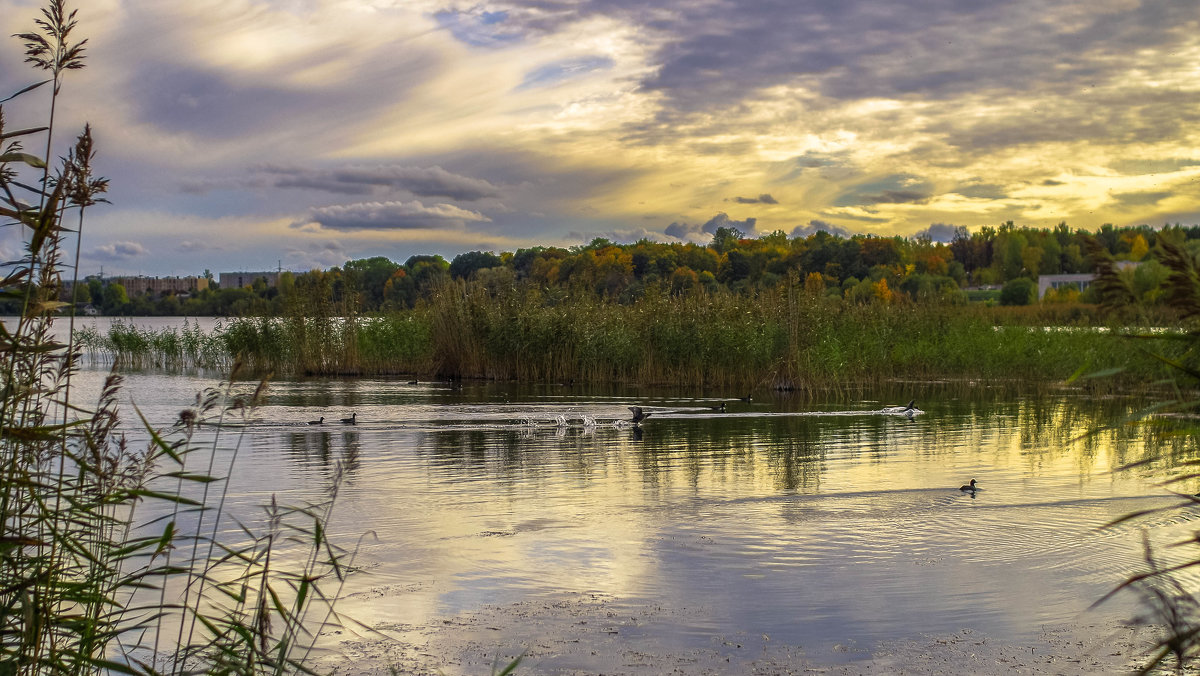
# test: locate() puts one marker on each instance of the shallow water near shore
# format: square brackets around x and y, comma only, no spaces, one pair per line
[502,518]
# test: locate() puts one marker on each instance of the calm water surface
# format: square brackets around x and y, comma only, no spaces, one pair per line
[816,523]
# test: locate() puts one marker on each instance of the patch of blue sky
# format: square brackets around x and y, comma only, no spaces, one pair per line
[562,71]
[479,29]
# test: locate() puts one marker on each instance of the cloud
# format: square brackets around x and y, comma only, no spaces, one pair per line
[619,236]
[940,232]
[1142,198]
[695,232]
[190,246]
[814,226]
[764,198]
[722,220]
[985,191]
[390,216]
[684,231]
[362,180]
[1152,166]
[884,115]
[896,197]
[894,189]
[316,255]
[118,251]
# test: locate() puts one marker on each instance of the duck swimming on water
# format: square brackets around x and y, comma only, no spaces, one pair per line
[638,415]
[317,422]
[910,409]
[352,420]
[971,487]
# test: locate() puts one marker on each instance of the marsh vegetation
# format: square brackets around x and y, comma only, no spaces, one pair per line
[116,554]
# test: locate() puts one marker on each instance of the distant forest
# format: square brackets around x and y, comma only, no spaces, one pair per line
[994,264]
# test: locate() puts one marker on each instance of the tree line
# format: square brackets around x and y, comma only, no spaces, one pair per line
[862,269]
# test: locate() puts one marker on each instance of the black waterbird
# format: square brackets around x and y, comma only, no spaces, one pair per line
[352,420]
[638,415]
[969,487]
[317,422]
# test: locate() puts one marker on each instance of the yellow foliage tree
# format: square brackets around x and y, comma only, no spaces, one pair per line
[814,284]
[1138,248]
[882,293]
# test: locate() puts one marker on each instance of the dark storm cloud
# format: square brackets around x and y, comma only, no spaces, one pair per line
[385,216]
[814,226]
[764,198]
[940,232]
[420,181]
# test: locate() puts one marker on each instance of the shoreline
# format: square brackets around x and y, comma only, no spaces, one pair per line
[586,633]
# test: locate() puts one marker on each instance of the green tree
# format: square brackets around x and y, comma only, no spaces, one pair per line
[1019,291]
[466,264]
[726,238]
[366,277]
[114,299]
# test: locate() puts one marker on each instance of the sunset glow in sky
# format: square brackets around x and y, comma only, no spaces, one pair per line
[245,134]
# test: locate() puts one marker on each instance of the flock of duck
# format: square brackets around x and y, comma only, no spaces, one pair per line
[908,410]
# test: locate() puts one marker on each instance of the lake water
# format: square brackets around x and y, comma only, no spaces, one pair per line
[822,529]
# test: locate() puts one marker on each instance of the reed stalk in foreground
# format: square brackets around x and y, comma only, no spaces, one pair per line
[116,558]
[1165,589]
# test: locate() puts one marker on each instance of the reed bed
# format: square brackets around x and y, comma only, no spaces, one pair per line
[785,339]
[186,347]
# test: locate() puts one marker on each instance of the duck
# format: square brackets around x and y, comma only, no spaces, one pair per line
[746,398]
[720,408]
[638,415]
[971,487]
[317,422]
[352,420]
[910,409]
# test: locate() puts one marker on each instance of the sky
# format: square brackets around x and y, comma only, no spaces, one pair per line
[256,134]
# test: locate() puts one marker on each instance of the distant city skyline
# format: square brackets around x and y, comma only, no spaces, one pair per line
[310,132]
